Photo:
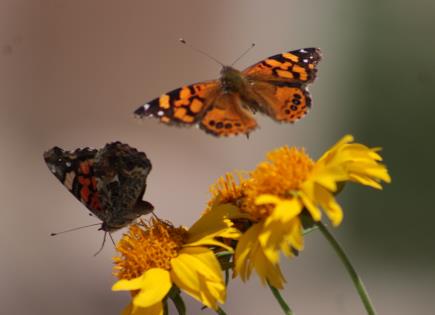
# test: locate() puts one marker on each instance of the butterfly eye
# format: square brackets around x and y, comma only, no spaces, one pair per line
[68,164]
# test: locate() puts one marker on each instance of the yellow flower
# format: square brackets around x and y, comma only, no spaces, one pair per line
[155,256]
[281,188]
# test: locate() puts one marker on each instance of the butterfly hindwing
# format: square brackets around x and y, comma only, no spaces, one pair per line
[226,116]
[183,106]
[296,65]
[122,173]
[284,102]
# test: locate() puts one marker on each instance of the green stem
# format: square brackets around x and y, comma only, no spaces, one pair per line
[359,285]
[220,311]
[175,295]
[286,309]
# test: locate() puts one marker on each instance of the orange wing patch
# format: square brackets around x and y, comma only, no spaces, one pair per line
[181,106]
[226,117]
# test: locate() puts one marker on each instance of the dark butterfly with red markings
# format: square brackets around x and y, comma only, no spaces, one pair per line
[110,182]
[276,86]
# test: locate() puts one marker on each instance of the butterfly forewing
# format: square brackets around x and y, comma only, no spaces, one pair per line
[183,106]
[296,66]
[75,171]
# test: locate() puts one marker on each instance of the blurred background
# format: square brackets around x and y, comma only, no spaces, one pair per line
[72,72]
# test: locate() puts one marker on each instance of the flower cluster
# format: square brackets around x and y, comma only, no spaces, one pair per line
[252,217]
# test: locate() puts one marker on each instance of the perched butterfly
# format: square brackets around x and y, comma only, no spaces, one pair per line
[110,182]
[276,86]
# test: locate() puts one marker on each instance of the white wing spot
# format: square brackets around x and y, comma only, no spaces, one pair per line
[160,113]
[305,60]
[146,106]
[302,51]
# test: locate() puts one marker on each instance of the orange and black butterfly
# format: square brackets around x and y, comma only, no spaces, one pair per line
[276,86]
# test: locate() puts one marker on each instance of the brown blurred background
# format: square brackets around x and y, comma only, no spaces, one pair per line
[72,72]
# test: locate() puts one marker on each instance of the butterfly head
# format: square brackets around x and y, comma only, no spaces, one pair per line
[232,79]
[114,223]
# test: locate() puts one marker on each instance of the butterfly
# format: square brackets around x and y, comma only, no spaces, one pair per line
[110,182]
[276,87]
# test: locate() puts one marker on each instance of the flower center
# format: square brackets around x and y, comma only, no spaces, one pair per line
[148,245]
[227,189]
[283,172]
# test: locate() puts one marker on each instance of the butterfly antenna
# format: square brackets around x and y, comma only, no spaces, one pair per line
[183,41]
[102,245]
[244,53]
[74,229]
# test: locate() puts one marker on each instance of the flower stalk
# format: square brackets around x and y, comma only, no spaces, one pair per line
[284,306]
[358,283]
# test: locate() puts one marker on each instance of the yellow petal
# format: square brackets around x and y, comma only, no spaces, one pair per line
[294,237]
[307,196]
[214,222]
[156,285]
[366,181]
[267,271]
[212,242]
[277,228]
[285,210]
[376,171]
[129,285]
[329,204]
[243,250]
[332,151]
[197,272]
[329,176]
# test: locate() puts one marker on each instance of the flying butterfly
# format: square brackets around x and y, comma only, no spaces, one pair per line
[276,87]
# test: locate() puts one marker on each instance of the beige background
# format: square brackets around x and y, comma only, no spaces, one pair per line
[72,72]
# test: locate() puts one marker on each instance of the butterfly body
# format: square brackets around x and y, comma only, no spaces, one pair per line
[110,182]
[276,87]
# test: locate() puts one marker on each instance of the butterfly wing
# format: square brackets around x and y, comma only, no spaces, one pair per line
[287,102]
[293,66]
[279,83]
[227,116]
[121,173]
[76,172]
[182,106]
